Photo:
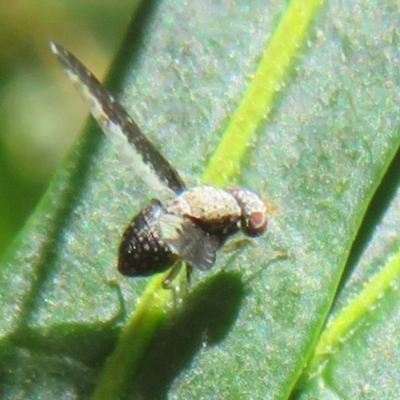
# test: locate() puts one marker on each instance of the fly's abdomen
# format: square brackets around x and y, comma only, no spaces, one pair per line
[142,252]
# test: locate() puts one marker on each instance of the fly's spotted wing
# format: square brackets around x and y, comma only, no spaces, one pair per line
[115,122]
[189,241]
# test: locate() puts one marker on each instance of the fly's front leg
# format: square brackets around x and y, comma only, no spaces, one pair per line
[237,243]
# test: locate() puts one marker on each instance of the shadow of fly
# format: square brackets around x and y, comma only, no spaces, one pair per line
[194,224]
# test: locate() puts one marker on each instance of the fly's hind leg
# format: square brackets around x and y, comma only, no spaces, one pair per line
[173,273]
[175,281]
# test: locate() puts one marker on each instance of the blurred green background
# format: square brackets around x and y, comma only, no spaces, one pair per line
[40,113]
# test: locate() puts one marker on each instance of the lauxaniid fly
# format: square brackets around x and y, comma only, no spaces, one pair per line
[190,227]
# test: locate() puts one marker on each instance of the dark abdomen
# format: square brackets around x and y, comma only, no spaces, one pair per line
[142,252]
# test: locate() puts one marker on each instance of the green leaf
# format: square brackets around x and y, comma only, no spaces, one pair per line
[248,328]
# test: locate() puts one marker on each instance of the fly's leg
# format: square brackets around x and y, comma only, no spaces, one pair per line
[236,244]
[173,273]
[176,281]
[122,309]
[189,270]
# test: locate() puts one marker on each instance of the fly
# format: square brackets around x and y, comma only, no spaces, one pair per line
[194,224]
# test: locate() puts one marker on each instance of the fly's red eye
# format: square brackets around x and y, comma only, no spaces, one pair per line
[255,224]
[254,213]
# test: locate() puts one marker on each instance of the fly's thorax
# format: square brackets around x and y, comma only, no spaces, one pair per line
[253,212]
[206,204]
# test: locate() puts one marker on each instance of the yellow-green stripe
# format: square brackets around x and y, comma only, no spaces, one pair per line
[256,103]
[348,318]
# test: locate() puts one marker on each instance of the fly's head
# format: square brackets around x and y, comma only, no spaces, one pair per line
[254,212]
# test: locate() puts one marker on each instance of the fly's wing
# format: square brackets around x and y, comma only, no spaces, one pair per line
[189,241]
[115,122]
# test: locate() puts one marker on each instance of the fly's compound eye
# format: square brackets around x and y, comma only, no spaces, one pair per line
[254,213]
[254,224]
